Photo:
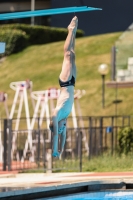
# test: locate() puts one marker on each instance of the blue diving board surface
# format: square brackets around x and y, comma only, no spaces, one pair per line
[54,11]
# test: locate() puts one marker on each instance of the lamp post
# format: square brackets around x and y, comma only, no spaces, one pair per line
[103,70]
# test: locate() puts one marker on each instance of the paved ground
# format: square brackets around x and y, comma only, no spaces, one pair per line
[14,179]
[21,186]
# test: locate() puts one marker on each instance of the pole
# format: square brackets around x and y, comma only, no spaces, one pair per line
[103,90]
[80,150]
[90,136]
[116,113]
[32,9]
[5,146]
[38,142]
[101,135]
[113,63]
[9,148]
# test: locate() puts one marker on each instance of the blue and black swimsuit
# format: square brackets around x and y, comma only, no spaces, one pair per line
[67,83]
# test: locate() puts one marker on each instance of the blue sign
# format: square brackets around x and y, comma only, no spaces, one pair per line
[109,129]
[2,47]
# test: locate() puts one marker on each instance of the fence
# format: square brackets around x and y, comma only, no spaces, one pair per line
[28,149]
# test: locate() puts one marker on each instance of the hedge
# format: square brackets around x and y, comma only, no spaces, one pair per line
[19,36]
[125,139]
[15,40]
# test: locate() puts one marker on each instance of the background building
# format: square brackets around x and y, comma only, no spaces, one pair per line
[7,6]
[115,16]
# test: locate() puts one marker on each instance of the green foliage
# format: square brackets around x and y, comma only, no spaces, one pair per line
[103,163]
[15,40]
[108,163]
[125,139]
[18,36]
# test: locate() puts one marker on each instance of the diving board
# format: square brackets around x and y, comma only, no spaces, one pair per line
[46,12]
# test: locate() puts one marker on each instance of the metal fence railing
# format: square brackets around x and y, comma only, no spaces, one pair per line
[27,149]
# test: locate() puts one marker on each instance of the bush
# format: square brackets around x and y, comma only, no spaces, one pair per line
[15,40]
[31,35]
[125,139]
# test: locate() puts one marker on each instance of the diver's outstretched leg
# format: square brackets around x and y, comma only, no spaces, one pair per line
[72,28]
[69,57]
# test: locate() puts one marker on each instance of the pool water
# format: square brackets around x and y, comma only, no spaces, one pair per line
[108,195]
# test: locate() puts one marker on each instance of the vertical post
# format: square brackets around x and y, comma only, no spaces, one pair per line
[76,141]
[44,152]
[116,112]
[9,143]
[112,137]
[90,136]
[123,121]
[32,9]
[38,142]
[113,63]
[95,138]
[103,90]
[49,161]
[5,145]
[101,134]
[129,120]
[80,147]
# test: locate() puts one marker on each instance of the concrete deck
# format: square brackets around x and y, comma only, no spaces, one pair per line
[24,186]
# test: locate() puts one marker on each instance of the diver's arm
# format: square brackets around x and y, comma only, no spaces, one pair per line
[63,139]
[55,137]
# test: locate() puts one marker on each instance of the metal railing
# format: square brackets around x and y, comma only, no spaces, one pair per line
[27,149]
